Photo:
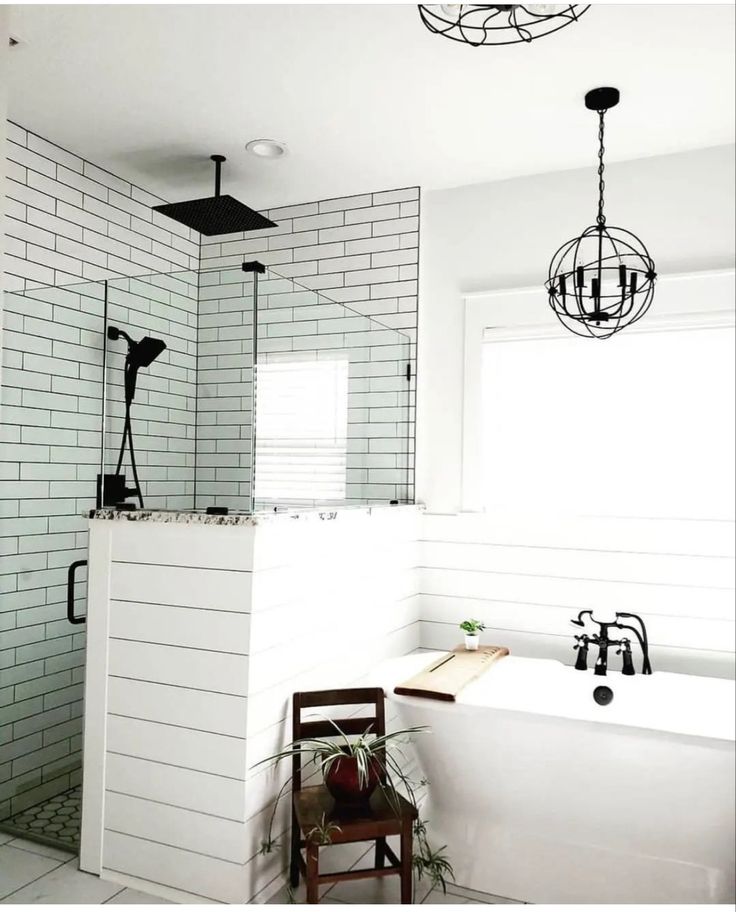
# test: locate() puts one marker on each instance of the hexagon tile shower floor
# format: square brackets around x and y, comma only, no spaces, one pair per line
[55,821]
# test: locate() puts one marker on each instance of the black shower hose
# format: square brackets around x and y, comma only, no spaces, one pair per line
[128,435]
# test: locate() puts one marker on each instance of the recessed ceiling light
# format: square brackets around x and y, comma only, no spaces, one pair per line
[266,148]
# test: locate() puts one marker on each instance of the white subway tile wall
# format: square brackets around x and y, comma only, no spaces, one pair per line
[71,222]
[70,227]
[321,298]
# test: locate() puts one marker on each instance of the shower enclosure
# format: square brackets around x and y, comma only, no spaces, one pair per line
[268,395]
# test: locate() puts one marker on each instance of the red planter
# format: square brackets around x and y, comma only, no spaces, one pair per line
[344,785]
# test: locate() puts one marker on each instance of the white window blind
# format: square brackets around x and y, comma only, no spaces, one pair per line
[638,425]
[301,430]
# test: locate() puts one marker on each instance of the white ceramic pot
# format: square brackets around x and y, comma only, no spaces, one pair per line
[472,641]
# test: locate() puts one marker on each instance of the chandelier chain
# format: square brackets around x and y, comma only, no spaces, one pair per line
[601,220]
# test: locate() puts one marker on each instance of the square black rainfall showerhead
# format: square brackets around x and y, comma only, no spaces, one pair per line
[216,215]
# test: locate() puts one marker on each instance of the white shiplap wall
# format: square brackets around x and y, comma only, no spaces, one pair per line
[332,599]
[210,630]
[526,579]
[71,222]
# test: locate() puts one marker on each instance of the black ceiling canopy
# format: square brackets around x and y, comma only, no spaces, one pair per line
[218,214]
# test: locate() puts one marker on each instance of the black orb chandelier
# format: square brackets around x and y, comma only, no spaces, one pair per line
[603,280]
[510,24]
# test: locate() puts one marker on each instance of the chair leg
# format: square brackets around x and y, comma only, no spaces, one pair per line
[295,849]
[312,873]
[380,852]
[406,859]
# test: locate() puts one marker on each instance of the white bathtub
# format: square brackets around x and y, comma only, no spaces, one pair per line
[544,796]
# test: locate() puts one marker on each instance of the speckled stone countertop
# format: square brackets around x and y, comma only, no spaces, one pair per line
[188,517]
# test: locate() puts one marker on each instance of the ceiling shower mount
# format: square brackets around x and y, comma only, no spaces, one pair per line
[218,214]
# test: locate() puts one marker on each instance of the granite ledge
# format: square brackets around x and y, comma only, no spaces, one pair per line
[188,517]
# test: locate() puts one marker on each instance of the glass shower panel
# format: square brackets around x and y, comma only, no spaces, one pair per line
[151,390]
[53,346]
[225,390]
[334,402]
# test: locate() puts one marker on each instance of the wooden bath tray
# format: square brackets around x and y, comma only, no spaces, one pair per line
[446,676]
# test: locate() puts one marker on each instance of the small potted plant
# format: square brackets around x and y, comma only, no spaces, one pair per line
[472,628]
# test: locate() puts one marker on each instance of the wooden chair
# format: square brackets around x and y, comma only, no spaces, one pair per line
[312,806]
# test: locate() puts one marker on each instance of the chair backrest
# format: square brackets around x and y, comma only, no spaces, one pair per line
[375,722]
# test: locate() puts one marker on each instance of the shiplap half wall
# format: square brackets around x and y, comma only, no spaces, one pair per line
[526,580]
[71,222]
[199,635]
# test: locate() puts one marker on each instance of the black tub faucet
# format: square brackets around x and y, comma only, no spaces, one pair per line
[603,641]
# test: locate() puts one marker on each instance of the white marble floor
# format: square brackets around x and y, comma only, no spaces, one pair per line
[32,874]
[385,891]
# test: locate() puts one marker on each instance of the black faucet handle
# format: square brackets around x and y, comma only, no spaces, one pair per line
[581,662]
[627,660]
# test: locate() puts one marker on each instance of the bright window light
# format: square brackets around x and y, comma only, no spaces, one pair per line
[301,430]
[639,425]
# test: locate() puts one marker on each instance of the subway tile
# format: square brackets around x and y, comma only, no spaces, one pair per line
[30,196]
[396,196]
[293,211]
[54,188]
[325,220]
[30,159]
[55,153]
[372,214]
[409,224]
[106,178]
[346,202]
[16,133]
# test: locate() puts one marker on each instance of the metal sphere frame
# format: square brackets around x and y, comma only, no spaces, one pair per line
[497,25]
[603,280]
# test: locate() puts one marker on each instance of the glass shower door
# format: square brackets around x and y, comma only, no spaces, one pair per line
[53,349]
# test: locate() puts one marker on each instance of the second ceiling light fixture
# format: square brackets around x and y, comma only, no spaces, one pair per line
[513,23]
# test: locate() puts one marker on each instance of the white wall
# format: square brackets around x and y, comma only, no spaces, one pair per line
[525,580]
[503,235]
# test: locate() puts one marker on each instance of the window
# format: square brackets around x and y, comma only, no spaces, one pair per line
[638,425]
[301,430]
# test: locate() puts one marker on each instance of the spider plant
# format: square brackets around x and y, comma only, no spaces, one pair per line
[370,752]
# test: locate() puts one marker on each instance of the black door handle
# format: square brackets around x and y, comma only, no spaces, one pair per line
[70,616]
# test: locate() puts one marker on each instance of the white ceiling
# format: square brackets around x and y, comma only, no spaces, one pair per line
[364,95]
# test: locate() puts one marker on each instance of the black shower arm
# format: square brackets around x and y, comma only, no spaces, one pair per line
[113,333]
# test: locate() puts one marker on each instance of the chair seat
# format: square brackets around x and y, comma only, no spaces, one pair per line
[315,806]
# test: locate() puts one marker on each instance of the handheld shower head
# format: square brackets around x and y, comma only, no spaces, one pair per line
[146,351]
[140,354]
